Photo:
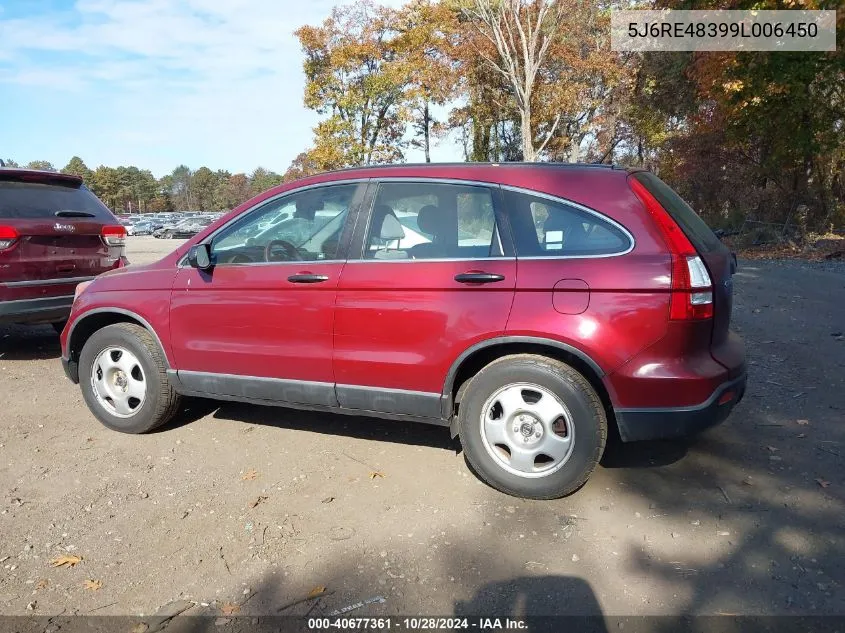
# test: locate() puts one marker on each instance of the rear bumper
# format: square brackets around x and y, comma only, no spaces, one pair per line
[40,310]
[663,423]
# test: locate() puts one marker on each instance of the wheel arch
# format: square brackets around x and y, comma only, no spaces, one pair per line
[98,318]
[478,356]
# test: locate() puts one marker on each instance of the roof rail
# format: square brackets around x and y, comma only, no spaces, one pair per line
[538,164]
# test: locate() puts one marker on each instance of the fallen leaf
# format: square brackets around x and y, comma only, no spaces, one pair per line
[773,449]
[66,561]
[748,481]
[802,436]
[328,500]
[42,584]
[376,473]
[93,585]
[258,500]
[141,627]
[250,475]
[823,483]
[230,608]
[803,422]
[317,591]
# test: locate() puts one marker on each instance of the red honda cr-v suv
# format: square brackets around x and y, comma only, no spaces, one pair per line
[526,307]
[54,234]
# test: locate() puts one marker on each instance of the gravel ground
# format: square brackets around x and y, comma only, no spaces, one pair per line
[247,509]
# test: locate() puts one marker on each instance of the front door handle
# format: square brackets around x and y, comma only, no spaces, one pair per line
[478,278]
[307,278]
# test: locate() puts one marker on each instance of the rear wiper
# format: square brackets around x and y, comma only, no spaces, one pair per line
[74,214]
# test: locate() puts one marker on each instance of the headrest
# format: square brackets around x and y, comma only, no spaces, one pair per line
[432,220]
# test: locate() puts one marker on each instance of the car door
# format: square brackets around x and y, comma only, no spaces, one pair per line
[259,323]
[429,279]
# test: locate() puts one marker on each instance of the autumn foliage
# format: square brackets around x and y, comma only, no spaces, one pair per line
[756,136]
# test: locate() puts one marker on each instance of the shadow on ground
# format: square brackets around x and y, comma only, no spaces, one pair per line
[29,342]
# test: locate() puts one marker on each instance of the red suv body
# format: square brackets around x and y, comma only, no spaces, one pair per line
[528,307]
[54,234]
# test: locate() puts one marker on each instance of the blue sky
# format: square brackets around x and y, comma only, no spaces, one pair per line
[155,83]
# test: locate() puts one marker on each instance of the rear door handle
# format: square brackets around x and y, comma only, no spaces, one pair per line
[307,278]
[478,278]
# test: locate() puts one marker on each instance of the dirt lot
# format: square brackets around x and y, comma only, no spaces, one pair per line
[258,506]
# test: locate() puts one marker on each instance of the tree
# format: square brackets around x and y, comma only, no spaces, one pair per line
[301,166]
[262,179]
[425,46]
[10,163]
[77,167]
[180,189]
[522,33]
[106,184]
[203,185]
[40,164]
[146,189]
[232,191]
[352,76]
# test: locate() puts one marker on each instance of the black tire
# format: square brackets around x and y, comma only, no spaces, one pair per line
[571,388]
[161,401]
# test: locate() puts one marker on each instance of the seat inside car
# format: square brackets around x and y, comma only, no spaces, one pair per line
[390,233]
[442,225]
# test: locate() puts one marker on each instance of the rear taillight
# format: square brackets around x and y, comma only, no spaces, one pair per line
[8,237]
[692,289]
[114,235]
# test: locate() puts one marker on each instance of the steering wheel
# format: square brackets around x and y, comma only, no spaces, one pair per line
[290,250]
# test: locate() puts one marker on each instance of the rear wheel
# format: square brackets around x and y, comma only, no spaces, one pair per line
[124,381]
[532,426]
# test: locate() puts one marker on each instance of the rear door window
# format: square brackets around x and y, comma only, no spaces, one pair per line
[696,229]
[35,201]
[545,227]
[432,220]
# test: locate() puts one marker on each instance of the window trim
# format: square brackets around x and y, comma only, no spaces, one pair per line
[604,218]
[359,240]
[358,197]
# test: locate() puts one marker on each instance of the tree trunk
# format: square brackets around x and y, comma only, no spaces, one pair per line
[528,154]
[427,124]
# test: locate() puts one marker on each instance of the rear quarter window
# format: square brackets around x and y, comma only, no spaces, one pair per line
[34,200]
[545,227]
[696,229]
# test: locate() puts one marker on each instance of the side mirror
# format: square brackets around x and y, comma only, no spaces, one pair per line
[200,256]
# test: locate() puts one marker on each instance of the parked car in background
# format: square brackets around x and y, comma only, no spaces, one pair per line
[528,308]
[54,234]
[182,230]
[143,227]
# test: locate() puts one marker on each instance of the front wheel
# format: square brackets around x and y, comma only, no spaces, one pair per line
[123,376]
[532,426]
